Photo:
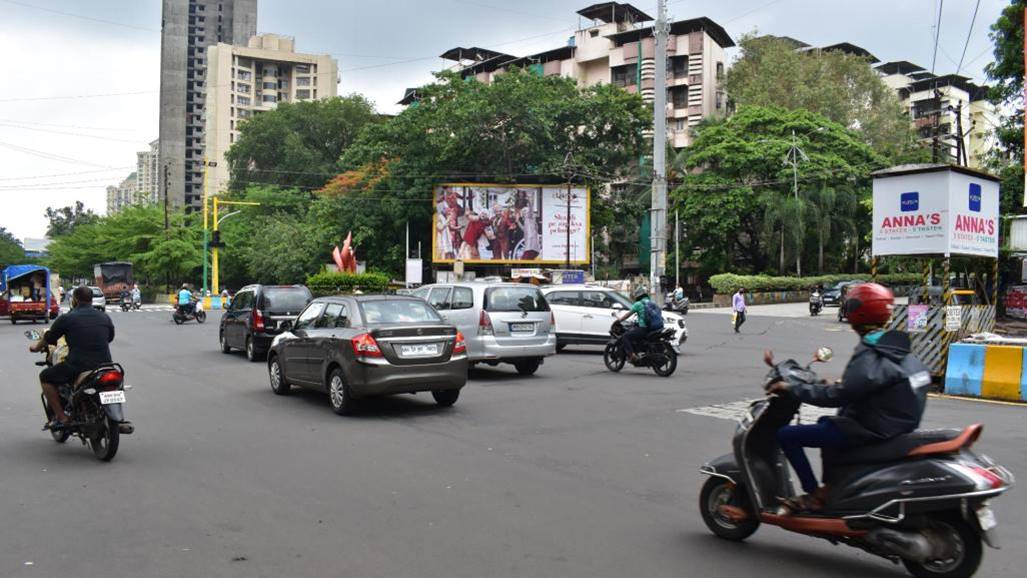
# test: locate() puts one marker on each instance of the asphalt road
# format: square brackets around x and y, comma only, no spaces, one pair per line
[573,472]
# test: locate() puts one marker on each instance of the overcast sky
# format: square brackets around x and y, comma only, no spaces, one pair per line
[79,94]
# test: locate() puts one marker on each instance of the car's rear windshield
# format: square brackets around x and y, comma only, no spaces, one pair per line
[285,298]
[97,292]
[397,311]
[515,299]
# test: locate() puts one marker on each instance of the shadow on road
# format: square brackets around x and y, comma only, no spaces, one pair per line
[403,405]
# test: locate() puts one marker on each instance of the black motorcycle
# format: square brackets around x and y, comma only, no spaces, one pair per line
[679,306]
[816,303]
[921,499]
[657,350]
[182,314]
[128,304]
[95,404]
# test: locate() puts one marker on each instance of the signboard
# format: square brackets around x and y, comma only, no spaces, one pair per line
[413,272]
[510,224]
[1016,301]
[953,317]
[916,319]
[940,211]
[568,277]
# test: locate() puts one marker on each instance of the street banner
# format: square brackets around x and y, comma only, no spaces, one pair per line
[1016,301]
[953,317]
[916,318]
[510,224]
[942,212]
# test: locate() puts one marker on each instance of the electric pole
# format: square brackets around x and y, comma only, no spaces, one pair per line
[658,232]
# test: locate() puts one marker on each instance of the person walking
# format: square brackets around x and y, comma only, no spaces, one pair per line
[738,306]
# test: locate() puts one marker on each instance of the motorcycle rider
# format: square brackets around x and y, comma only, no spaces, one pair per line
[185,300]
[881,395]
[137,295]
[640,297]
[88,332]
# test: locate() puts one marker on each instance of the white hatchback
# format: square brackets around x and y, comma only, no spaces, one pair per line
[584,314]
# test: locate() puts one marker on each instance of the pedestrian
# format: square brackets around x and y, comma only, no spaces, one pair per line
[738,306]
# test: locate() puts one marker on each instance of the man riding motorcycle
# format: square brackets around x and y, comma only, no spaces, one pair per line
[87,332]
[640,297]
[185,300]
[881,395]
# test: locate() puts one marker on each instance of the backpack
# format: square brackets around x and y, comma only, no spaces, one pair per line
[653,316]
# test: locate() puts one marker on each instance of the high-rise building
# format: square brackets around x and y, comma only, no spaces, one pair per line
[613,46]
[123,195]
[188,28]
[147,174]
[244,81]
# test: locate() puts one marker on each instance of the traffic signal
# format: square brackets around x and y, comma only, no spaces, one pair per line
[215,240]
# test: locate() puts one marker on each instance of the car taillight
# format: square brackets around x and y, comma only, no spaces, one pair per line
[365,346]
[552,322]
[460,344]
[110,379]
[258,320]
[485,324]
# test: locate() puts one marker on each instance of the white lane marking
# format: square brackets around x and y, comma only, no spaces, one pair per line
[735,410]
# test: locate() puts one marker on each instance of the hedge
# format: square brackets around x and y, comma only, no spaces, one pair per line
[727,283]
[334,283]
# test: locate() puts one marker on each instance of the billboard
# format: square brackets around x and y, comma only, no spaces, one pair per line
[510,224]
[940,212]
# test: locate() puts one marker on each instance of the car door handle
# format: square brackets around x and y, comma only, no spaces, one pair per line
[586,316]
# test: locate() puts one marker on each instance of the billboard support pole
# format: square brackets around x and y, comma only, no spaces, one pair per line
[406,255]
[568,251]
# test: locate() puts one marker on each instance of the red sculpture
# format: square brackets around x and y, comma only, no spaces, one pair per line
[345,260]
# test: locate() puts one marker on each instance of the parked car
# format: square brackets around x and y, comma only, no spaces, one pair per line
[833,295]
[503,322]
[99,300]
[584,314]
[257,315]
[369,345]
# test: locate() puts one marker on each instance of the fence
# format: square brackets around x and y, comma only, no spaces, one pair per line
[930,338]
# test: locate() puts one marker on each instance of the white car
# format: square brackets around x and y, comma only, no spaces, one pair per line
[584,314]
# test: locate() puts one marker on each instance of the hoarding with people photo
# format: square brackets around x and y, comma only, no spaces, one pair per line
[487,223]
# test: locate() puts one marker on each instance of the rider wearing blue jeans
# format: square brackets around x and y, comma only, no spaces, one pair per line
[881,395]
[637,333]
[185,300]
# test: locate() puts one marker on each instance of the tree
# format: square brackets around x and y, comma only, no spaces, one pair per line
[1007,73]
[298,144]
[842,87]
[11,251]
[64,220]
[736,194]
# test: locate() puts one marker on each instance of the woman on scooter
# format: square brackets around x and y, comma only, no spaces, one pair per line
[882,393]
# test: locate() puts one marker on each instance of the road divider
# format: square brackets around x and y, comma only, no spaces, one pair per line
[986,371]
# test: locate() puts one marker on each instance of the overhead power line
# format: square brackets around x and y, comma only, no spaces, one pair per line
[969,33]
[50,156]
[80,16]
[937,34]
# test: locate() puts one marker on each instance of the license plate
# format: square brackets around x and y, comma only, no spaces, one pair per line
[987,518]
[522,327]
[109,397]
[420,350]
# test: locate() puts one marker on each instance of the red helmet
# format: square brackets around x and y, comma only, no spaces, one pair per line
[868,304]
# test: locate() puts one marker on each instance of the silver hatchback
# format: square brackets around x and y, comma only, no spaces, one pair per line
[502,322]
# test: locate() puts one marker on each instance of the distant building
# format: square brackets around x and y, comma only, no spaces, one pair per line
[244,81]
[188,27]
[147,174]
[123,195]
[35,248]
[612,46]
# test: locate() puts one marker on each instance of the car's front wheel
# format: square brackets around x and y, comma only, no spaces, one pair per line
[339,393]
[276,376]
[446,398]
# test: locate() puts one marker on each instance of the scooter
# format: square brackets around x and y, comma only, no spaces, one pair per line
[656,351]
[816,303]
[921,499]
[128,304]
[679,306]
[180,315]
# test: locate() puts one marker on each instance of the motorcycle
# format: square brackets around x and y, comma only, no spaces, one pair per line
[657,350]
[679,306]
[94,402]
[816,303]
[128,303]
[181,315]
[921,499]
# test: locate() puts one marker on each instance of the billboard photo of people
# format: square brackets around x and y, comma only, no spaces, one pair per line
[505,224]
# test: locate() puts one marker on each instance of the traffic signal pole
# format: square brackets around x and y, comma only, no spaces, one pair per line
[215,264]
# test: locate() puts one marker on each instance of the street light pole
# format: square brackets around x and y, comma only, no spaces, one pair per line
[658,231]
[206,232]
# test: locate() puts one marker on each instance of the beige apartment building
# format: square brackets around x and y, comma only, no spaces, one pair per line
[123,195]
[244,81]
[614,46]
[148,174]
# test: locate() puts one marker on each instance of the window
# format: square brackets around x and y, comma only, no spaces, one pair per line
[563,298]
[243,87]
[309,316]
[593,33]
[624,75]
[597,299]
[399,311]
[439,298]
[678,66]
[331,317]
[303,93]
[270,85]
[679,124]
[269,98]
[422,293]
[720,71]
[283,84]
[303,81]
[243,74]
[679,96]
[303,68]
[514,299]
[244,113]
[463,298]
[242,301]
[245,100]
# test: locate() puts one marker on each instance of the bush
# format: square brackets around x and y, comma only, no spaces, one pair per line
[334,283]
[727,283]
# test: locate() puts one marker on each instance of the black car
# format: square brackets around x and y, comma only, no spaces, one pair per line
[257,315]
[370,345]
[833,295]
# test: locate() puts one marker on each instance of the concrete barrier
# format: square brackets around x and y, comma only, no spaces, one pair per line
[988,371]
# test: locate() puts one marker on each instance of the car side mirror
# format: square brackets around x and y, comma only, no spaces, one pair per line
[286,325]
[619,306]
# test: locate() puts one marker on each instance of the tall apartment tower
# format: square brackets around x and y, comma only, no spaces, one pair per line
[188,27]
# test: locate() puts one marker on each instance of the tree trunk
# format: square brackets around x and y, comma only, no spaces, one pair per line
[820,251]
[855,256]
[781,260]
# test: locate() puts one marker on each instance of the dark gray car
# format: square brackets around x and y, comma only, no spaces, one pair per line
[369,345]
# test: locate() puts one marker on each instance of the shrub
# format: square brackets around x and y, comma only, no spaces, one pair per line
[726,283]
[334,283]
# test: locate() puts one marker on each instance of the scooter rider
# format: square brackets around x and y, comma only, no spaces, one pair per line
[639,296]
[881,395]
[185,300]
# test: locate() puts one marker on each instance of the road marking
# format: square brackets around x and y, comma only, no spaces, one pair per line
[736,410]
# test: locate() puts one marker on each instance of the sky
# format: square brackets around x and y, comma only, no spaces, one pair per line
[80,85]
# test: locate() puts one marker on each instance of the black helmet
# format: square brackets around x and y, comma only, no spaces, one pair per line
[639,292]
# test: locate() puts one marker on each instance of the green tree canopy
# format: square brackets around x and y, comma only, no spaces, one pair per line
[11,251]
[842,87]
[736,197]
[298,144]
[1007,73]
[63,220]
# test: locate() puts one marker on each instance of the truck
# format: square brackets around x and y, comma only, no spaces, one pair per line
[112,278]
[26,291]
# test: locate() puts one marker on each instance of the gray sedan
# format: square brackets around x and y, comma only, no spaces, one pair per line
[369,345]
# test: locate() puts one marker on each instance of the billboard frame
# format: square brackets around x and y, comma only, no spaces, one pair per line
[588,227]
